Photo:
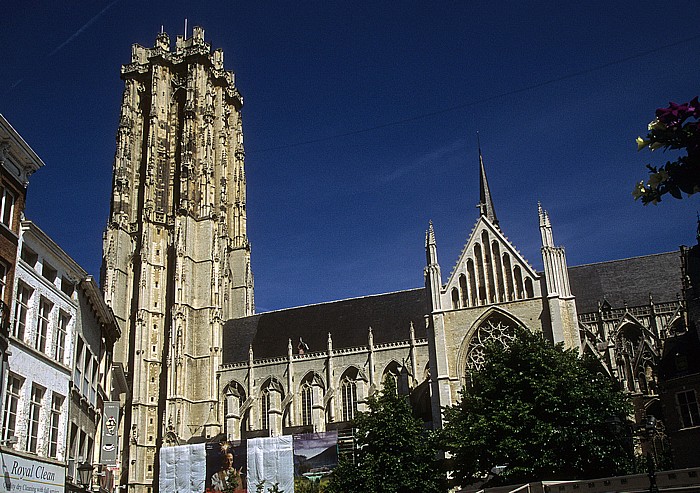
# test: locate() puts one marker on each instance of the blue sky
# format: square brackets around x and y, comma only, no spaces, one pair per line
[360,124]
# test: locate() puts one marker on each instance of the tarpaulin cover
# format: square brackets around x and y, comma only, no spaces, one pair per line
[271,460]
[182,469]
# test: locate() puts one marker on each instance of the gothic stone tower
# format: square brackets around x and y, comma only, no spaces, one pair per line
[176,259]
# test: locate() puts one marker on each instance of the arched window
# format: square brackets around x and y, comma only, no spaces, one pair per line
[463,289]
[629,346]
[489,268]
[348,390]
[519,292]
[307,403]
[472,282]
[496,249]
[265,408]
[529,291]
[234,397]
[455,298]
[481,279]
[399,375]
[508,272]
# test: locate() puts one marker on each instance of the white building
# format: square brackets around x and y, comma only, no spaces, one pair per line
[61,339]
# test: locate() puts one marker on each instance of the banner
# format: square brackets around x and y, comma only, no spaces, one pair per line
[246,466]
[226,468]
[315,454]
[182,469]
[270,462]
[110,427]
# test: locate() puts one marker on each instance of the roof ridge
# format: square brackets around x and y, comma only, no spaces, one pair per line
[623,259]
[332,302]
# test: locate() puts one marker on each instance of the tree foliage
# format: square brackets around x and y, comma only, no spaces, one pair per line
[674,128]
[394,453]
[536,412]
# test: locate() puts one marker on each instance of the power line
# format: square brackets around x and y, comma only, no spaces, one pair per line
[481,100]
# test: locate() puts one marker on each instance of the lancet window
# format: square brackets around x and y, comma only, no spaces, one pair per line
[234,397]
[348,392]
[307,402]
[490,274]
[265,401]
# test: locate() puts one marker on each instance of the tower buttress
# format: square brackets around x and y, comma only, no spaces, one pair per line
[562,304]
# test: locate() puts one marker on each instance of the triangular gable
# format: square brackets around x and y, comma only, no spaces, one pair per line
[479,278]
[628,318]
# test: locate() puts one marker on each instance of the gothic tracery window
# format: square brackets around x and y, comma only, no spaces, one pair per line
[307,402]
[348,393]
[493,330]
[635,360]
[265,408]
[348,389]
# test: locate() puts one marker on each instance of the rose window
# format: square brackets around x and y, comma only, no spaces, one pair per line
[491,331]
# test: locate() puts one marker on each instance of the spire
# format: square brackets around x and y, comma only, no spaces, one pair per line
[433,278]
[430,235]
[430,246]
[545,227]
[485,202]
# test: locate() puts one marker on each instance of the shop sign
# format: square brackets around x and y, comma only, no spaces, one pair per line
[31,476]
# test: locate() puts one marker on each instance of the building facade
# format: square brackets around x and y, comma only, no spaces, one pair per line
[17,162]
[679,370]
[61,344]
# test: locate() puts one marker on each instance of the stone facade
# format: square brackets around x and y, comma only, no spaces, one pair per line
[491,290]
[311,383]
[176,255]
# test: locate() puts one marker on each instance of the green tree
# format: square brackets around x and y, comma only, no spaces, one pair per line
[394,453]
[536,412]
[675,128]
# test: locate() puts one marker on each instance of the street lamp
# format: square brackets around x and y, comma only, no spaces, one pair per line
[649,428]
[646,429]
[85,475]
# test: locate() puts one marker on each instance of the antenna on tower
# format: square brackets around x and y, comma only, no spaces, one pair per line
[162,28]
[185,28]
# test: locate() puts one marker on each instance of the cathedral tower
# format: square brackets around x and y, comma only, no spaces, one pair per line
[176,258]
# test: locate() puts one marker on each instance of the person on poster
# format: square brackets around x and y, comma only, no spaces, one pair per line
[227,479]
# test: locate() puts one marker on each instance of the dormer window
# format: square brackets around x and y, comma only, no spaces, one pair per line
[49,272]
[29,256]
[67,287]
[7,206]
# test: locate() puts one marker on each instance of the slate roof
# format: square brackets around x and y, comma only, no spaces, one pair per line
[626,281]
[389,315]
